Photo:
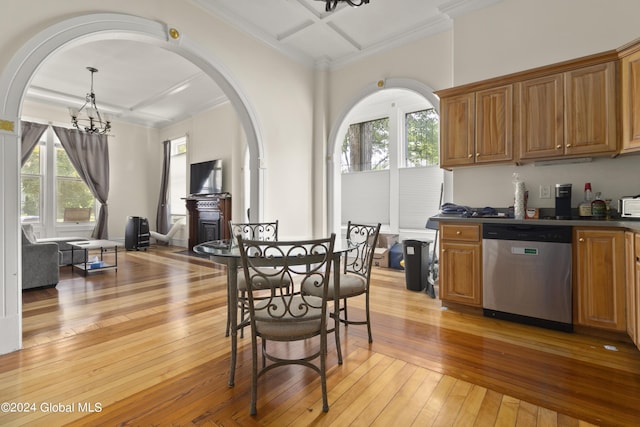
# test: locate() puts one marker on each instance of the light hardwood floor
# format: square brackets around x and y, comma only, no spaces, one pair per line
[146,346]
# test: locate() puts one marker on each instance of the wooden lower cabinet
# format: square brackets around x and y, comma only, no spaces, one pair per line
[599,279]
[630,284]
[460,264]
[632,246]
[636,305]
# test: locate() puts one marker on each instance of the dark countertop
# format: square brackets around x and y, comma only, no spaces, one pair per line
[620,223]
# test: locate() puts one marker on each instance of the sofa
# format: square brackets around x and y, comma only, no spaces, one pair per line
[39,261]
[65,249]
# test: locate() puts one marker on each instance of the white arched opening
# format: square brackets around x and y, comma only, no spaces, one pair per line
[14,82]
[339,129]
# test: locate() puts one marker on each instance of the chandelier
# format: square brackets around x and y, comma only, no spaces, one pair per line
[94,121]
[331,4]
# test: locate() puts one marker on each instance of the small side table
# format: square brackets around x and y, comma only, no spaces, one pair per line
[93,245]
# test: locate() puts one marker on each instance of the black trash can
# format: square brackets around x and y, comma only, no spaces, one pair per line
[416,264]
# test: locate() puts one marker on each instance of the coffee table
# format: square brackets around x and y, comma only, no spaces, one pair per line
[104,246]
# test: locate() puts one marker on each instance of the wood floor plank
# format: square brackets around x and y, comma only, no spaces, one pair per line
[148,344]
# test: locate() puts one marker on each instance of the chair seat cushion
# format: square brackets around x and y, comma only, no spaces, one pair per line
[288,318]
[350,285]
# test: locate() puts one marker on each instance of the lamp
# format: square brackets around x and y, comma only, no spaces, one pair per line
[331,4]
[94,123]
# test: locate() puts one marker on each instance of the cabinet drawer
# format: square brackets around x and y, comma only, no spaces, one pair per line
[460,232]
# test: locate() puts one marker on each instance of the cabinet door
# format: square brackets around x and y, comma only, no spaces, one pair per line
[460,274]
[457,130]
[590,110]
[494,124]
[541,117]
[630,283]
[636,305]
[600,273]
[631,102]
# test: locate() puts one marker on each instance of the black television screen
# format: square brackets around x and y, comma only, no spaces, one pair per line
[206,177]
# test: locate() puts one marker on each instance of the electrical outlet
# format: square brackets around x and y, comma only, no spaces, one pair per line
[545,191]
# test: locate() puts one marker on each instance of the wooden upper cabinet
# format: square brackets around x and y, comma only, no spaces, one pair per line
[477,127]
[630,96]
[457,130]
[568,114]
[590,110]
[569,109]
[494,125]
[540,117]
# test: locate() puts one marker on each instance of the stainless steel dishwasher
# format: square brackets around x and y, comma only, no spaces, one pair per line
[527,274]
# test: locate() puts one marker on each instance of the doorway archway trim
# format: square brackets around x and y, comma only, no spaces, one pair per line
[333,162]
[14,80]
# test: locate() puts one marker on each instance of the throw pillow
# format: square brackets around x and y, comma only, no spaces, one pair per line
[27,232]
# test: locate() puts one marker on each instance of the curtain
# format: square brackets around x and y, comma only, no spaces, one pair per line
[163,214]
[89,154]
[31,133]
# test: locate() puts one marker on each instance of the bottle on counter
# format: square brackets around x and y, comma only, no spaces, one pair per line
[519,203]
[598,208]
[584,208]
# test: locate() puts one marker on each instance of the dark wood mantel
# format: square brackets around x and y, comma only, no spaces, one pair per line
[208,218]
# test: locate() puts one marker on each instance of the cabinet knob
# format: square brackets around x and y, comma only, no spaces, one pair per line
[470,155]
[458,232]
[568,145]
[581,239]
[558,147]
[477,154]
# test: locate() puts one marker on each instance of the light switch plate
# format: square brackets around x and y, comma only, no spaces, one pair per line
[545,191]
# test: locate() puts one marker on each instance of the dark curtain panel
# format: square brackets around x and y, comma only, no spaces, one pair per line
[31,133]
[89,154]
[163,214]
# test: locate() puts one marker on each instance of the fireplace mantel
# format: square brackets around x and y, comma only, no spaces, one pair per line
[208,218]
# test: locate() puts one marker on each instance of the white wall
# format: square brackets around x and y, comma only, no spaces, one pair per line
[515,35]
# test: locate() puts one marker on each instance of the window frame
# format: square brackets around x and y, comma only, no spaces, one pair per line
[47,224]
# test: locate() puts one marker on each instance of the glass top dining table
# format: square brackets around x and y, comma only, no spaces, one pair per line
[227,253]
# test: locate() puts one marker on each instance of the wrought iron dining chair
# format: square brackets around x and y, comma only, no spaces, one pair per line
[282,313]
[354,277]
[265,231]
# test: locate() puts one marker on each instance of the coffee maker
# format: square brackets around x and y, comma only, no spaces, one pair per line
[563,201]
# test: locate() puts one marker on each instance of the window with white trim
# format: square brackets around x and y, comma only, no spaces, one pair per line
[51,190]
[178,178]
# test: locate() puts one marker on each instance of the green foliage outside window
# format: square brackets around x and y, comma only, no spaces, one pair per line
[422,138]
[31,187]
[366,146]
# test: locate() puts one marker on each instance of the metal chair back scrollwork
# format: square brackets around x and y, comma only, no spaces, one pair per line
[263,231]
[279,312]
[354,278]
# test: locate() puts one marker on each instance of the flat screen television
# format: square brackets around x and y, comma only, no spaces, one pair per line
[206,178]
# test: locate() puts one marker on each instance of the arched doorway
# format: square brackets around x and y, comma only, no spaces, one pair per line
[14,81]
[339,129]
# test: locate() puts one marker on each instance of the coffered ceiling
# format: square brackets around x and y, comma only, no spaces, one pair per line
[148,85]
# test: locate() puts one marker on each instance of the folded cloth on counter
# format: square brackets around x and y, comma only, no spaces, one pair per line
[452,208]
[465,211]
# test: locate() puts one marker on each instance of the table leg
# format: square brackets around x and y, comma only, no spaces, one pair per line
[232,298]
[336,304]
[86,258]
